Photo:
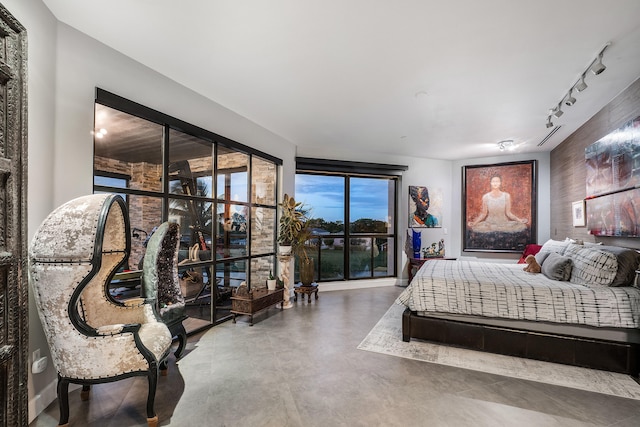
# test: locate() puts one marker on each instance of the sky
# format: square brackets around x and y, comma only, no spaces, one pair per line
[325,196]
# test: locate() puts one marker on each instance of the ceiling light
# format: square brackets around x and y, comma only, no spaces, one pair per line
[581,85]
[507,144]
[597,67]
[570,100]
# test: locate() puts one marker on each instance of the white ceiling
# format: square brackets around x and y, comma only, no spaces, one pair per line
[436,79]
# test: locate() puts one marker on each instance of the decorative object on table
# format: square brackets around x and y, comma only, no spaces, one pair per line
[613,181]
[499,206]
[408,243]
[436,250]
[271,281]
[578,213]
[424,211]
[416,242]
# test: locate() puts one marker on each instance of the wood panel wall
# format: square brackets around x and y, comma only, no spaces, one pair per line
[568,171]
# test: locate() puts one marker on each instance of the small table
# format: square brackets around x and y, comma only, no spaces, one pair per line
[308,290]
[258,300]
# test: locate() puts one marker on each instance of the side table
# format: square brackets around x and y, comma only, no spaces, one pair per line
[308,290]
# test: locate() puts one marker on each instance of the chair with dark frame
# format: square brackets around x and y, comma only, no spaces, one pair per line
[93,337]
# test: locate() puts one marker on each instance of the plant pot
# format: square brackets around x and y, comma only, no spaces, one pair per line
[271,285]
[307,271]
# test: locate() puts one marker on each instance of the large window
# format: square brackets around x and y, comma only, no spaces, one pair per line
[353,224]
[221,193]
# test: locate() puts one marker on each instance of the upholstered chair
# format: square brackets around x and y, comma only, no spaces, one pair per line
[160,280]
[93,338]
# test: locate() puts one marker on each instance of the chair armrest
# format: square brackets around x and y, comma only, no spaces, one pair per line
[118,329]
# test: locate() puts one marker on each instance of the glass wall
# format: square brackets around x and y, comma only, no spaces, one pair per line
[222,194]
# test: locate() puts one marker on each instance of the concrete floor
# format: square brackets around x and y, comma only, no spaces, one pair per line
[301,367]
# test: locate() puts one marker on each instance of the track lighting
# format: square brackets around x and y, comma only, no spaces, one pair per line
[570,100]
[596,67]
[581,85]
[557,112]
[549,122]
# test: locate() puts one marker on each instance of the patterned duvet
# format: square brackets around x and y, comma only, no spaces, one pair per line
[506,291]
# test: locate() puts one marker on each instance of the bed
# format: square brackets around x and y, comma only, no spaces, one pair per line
[582,310]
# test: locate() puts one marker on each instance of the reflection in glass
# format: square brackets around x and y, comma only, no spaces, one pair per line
[332,255]
[233,167]
[145,213]
[232,231]
[263,230]
[360,252]
[195,220]
[132,150]
[190,165]
[263,181]
[371,205]
[384,258]
[260,269]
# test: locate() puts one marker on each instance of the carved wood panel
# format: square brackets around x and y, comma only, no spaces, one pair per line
[14,343]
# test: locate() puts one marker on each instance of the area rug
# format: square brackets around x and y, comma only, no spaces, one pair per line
[386,338]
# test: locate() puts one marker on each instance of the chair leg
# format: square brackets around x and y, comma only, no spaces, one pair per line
[182,340]
[63,401]
[152,376]
[85,393]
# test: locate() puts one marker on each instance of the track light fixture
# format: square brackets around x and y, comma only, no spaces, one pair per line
[557,112]
[570,100]
[596,67]
[549,122]
[581,85]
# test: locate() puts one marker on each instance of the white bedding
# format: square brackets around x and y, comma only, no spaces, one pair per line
[506,291]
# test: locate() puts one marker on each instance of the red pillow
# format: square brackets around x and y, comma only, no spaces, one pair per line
[530,249]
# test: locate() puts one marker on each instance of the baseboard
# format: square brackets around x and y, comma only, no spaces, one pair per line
[345,285]
[40,401]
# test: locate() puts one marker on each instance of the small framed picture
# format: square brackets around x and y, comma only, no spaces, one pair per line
[578,212]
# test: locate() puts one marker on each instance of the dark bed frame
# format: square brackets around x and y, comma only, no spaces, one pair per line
[569,350]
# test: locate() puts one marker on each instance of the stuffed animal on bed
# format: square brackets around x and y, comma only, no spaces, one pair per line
[532,265]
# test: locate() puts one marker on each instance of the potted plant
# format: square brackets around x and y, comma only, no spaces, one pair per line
[271,281]
[307,269]
[292,220]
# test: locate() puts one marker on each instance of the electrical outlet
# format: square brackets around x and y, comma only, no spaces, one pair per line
[39,365]
[444,230]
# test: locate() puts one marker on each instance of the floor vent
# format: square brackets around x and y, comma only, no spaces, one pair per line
[549,135]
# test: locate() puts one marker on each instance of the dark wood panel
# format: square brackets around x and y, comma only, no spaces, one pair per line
[568,171]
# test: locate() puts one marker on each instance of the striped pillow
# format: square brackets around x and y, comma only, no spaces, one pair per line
[557,246]
[593,266]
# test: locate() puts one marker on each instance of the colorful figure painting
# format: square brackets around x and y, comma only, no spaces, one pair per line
[499,206]
[425,210]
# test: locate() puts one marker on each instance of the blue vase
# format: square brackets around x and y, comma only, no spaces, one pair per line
[417,243]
